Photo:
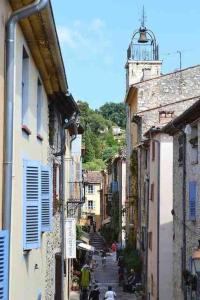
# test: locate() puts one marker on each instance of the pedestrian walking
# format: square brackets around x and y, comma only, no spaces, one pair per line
[114,249]
[94,294]
[94,226]
[85,277]
[110,294]
[84,294]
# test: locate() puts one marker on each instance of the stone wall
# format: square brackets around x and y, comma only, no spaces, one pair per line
[53,246]
[161,92]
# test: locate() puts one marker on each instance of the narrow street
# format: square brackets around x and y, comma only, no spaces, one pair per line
[108,275]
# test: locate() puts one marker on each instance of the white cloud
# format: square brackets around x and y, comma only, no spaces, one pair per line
[85,38]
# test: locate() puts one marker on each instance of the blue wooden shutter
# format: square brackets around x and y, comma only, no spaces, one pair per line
[192,200]
[46,199]
[3,264]
[32,205]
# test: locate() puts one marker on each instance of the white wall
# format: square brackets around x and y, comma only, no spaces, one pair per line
[166,219]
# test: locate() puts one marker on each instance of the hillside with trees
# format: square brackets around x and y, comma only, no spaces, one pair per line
[98,139]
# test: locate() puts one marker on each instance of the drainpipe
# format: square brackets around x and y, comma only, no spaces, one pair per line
[15,17]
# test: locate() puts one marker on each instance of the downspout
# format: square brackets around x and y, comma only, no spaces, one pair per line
[9,108]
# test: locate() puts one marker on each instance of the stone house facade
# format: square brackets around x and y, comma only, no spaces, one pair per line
[186,188]
[151,101]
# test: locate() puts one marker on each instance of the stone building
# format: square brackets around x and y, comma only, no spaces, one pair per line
[152,99]
[186,208]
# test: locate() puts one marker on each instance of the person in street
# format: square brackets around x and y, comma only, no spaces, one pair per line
[103,256]
[121,275]
[84,294]
[85,277]
[110,294]
[94,294]
[94,226]
[114,249]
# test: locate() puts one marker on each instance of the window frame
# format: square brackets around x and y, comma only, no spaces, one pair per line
[92,189]
[25,90]
[39,109]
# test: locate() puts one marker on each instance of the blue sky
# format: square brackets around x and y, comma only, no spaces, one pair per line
[94,36]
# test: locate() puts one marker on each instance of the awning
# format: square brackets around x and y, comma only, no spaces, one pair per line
[106,221]
[85,237]
[85,247]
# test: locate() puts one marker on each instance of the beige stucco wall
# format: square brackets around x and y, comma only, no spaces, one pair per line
[160,218]
[26,147]
[95,196]
[153,219]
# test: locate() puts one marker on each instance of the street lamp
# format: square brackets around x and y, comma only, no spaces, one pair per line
[196,264]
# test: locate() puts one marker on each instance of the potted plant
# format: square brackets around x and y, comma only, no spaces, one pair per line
[75,283]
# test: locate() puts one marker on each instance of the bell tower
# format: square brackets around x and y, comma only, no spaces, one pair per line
[142,56]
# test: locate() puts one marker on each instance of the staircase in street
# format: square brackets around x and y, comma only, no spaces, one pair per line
[97,241]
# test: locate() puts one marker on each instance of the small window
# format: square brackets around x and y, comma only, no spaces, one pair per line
[25,87]
[180,152]
[90,204]
[39,107]
[152,285]
[192,200]
[146,158]
[194,145]
[152,192]
[90,189]
[150,240]
[153,150]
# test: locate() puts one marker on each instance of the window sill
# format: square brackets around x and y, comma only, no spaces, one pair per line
[39,137]
[26,129]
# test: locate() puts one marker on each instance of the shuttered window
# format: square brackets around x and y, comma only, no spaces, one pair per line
[46,199]
[192,200]
[3,264]
[32,204]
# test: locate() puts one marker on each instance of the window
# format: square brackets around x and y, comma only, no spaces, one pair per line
[153,150]
[46,199]
[37,200]
[4,264]
[144,238]
[192,200]
[39,109]
[150,240]
[90,189]
[90,204]
[146,158]
[32,204]
[152,285]
[152,192]
[194,144]
[180,152]
[25,88]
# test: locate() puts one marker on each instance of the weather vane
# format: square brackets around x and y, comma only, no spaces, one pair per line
[144,18]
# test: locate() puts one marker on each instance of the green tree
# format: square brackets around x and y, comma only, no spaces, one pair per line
[115,112]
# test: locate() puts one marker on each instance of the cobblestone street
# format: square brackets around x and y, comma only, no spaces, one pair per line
[108,275]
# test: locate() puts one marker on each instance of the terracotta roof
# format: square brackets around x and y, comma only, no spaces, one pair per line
[93,177]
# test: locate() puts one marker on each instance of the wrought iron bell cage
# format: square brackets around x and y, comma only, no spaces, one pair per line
[143,46]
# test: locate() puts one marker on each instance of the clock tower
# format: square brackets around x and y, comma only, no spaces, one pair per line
[142,56]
